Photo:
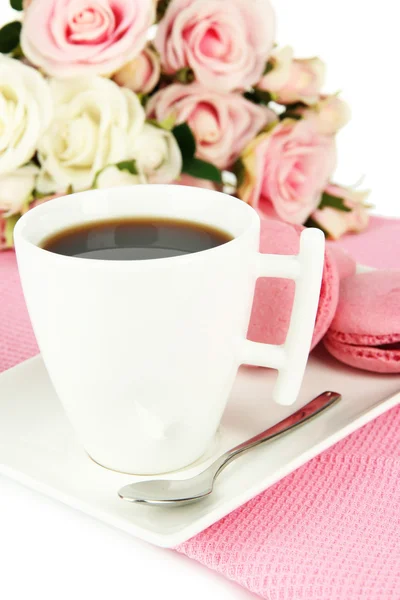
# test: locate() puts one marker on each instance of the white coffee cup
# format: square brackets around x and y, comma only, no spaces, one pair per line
[143,354]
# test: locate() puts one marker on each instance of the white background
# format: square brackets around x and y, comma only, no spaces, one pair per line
[49,551]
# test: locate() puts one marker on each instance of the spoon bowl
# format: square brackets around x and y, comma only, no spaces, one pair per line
[171,492]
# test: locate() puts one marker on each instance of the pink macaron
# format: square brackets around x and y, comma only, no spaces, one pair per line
[345,263]
[274,297]
[365,332]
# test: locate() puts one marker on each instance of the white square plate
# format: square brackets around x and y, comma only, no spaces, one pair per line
[38,447]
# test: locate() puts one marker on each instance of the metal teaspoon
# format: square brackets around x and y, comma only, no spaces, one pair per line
[166,492]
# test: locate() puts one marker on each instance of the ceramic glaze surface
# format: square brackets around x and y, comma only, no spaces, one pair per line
[39,448]
[143,354]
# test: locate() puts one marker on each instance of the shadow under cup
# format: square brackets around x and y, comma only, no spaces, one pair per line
[142,354]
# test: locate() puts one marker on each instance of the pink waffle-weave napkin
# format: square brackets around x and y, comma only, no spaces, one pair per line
[329,531]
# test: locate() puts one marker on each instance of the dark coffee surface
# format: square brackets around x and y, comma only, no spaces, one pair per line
[135,239]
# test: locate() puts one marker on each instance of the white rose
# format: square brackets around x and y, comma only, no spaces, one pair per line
[112,176]
[16,190]
[95,125]
[25,112]
[157,154]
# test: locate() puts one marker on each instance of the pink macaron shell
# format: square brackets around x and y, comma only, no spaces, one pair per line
[368,358]
[345,263]
[368,312]
[367,318]
[274,297]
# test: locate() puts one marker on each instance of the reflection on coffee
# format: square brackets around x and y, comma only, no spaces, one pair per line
[135,239]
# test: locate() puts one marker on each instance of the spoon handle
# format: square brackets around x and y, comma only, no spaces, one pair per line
[302,415]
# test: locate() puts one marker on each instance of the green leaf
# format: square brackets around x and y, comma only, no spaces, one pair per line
[295,105]
[35,160]
[290,115]
[9,37]
[250,96]
[128,165]
[17,52]
[333,202]
[268,68]
[38,195]
[202,170]
[291,111]
[239,171]
[143,98]
[191,165]
[258,96]
[186,141]
[185,75]
[154,123]
[16,4]
[168,123]
[161,8]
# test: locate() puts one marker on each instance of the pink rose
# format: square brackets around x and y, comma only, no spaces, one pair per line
[226,44]
[223,124]
[294,80]
[141,74]
[337,222]
[287,169]
[74,37]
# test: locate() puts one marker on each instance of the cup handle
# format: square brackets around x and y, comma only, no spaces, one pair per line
[290,358]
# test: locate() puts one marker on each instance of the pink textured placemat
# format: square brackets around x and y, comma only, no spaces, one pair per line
[329,531]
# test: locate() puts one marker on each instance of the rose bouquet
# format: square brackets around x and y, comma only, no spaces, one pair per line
[102,93]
